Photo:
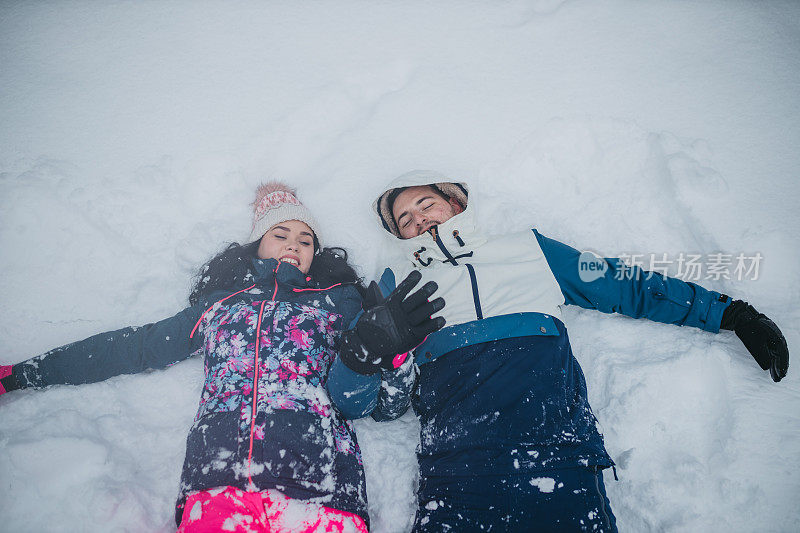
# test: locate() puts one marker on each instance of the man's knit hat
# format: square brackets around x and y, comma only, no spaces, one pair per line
[277,202]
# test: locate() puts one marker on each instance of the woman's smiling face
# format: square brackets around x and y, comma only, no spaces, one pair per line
[289,242]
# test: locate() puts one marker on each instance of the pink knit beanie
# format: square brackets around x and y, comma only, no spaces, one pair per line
[277,202]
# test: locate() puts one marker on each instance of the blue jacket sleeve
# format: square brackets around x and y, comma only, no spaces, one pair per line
[125,351]
[619,288]
[385,395]
[394,397]
[354,395]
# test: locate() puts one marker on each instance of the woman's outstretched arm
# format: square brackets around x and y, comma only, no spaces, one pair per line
[124,351]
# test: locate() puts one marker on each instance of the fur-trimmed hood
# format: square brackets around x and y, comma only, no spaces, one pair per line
[452,189]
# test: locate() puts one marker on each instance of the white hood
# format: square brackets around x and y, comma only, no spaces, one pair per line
[464,222]
[416,178]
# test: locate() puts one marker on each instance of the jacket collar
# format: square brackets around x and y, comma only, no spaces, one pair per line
[267,270]
[456,236]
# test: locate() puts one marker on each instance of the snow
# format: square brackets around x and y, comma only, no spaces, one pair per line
[544,484]
[432,505]
[133,136]
[197,511]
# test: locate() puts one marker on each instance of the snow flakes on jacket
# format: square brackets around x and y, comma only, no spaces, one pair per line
[268,422]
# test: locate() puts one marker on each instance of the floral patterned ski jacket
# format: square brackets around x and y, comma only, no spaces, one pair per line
[265,418]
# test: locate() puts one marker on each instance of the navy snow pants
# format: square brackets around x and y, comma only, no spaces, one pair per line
[569,499]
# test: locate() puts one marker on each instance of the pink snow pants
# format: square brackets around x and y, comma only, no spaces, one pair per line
[232,509]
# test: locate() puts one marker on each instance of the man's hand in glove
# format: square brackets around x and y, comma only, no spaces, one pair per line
[760,336]
[392,327]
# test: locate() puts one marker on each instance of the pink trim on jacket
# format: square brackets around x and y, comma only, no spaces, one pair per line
[212,307]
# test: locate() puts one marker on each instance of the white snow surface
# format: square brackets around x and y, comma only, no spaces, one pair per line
[133,135]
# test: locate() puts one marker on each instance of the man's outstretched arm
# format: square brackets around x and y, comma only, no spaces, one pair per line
[620,288]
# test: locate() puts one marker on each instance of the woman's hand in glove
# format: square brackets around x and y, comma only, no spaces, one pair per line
[760,336]
[393,326]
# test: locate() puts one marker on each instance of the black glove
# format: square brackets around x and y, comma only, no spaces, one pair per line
[392,327]
[760,336]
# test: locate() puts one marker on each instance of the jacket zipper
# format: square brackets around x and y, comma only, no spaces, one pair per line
[255,376]
[598,473]
[445,251]
[661,296]
[476,299]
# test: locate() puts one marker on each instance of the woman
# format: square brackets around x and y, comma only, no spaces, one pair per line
[268,450]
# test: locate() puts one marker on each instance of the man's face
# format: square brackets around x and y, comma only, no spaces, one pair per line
[417,209]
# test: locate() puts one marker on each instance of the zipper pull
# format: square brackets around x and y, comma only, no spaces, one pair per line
[419,259]
[458,239]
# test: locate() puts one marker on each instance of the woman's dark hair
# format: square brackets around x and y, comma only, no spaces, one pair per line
[232,269]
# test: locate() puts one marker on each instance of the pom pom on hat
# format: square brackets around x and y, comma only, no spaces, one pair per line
[277,202]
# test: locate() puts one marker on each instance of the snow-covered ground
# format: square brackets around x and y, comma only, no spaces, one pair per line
[132,135]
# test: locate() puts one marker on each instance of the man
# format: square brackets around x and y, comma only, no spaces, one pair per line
[508,440]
